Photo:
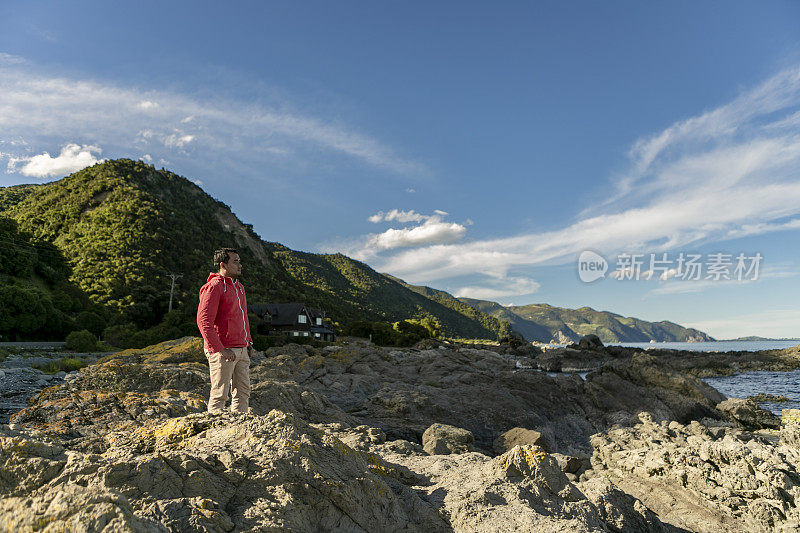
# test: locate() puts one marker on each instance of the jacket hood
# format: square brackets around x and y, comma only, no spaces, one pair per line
[215,275]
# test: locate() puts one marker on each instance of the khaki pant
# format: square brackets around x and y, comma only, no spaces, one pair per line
[229,377]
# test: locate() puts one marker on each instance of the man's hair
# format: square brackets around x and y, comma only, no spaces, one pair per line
[223,255]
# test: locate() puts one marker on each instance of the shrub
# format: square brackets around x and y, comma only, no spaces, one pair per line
[402,333]
[65,364]
[82,341]
[174,326]
[265,342]
[91,321]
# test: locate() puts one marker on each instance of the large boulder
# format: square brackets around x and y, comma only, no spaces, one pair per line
[748,414]
[442,439]
[590,342]
[518,437]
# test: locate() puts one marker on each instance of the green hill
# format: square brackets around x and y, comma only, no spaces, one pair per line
[122,228]
[545,323]
[37,298]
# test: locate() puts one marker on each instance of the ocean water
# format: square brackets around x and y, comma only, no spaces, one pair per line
[716,346]
[751,383]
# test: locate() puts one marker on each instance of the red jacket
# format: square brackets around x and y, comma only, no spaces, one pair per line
[222,314]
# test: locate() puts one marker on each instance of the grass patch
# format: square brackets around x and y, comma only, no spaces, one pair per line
[65,364]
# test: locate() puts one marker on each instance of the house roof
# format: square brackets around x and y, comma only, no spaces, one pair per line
[285,314]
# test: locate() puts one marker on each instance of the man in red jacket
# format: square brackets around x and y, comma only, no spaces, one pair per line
[223,323]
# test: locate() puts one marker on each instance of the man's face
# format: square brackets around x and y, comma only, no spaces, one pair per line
[233,267]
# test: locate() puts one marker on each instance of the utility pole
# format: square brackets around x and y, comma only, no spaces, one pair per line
[173,277]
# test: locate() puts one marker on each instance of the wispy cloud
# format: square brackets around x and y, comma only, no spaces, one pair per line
[777,323]
[674,284]
[48,111]
[499,287]
[728,172]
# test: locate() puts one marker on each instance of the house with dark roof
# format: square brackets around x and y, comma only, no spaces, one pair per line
[292,319]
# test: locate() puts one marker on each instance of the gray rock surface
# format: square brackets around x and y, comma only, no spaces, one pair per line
[748,414]
[515,437]
[441,439]
[333,443]
[209,473]
[702,480]
[790,428]
[405,391]
[590,342]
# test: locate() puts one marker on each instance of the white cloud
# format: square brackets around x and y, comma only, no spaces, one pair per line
[10,59]
[764,227]
[48,110]
[673,284]
[429,232]
[728,172]
[146,158]
[199,183]
[410,190]
[499,287]
[72,158]
[177,140]
[404,216]
[774,323]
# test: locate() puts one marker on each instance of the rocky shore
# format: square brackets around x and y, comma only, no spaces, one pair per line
[590,354]
[20,378]
[352,437]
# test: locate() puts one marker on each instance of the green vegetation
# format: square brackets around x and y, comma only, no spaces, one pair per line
[543,322]
[37,299]
[65,364]
[118,229]
[95,250]
[81,341]
[401,333]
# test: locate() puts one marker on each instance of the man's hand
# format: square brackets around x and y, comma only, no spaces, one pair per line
[249,350]
[227,355]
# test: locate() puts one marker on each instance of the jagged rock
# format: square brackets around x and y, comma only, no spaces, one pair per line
[790,428]
[703,481]
[405,391]
[521,490]
[441,439]
[164,468]
[517,436]
[568,464]
[210,473]
[748,414]
[621,511]
[590,342]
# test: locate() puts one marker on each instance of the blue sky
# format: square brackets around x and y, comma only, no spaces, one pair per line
[475,147]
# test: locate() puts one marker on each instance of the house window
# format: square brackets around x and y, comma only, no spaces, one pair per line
[319,321]
[301,319]
[316,335]
[296,333]
[305,334]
